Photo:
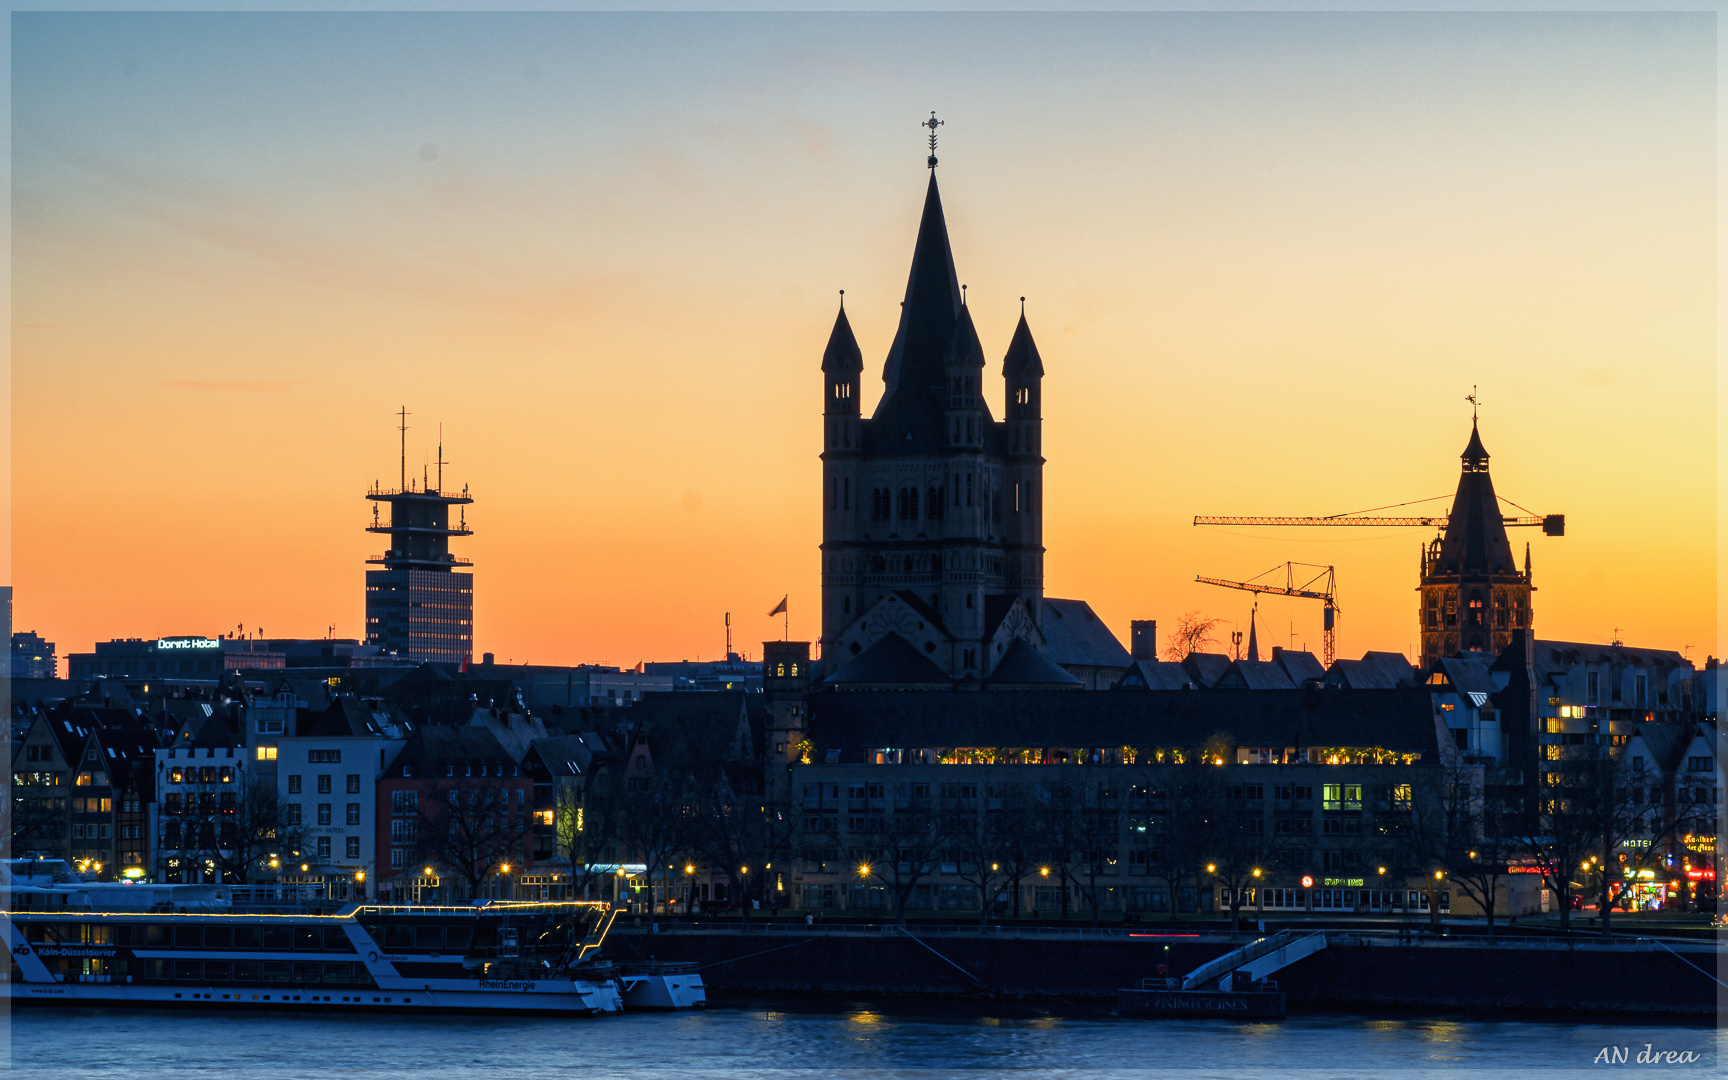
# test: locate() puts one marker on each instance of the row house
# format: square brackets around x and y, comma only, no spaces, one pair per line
[453,814]
[201,781]
[326,768]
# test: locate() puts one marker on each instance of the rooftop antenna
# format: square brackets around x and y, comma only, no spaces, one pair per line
[728,634]
[404,430]
[1616,640]
[932,124]
[440,457]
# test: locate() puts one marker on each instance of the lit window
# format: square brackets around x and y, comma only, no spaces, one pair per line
[266,753]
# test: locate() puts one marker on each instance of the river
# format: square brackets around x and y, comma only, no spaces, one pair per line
[780,1039]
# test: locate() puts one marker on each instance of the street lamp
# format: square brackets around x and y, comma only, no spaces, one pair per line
[1256,871]
[863,870]
[1043,871]
[1211,868]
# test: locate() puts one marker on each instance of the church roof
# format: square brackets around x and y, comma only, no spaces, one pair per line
[1022,665]
[1475,540]
[909,417]
[842,357]
[891,662]
[1075,635]
[1022,360]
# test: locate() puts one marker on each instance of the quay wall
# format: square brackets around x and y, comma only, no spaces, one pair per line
[1533,978]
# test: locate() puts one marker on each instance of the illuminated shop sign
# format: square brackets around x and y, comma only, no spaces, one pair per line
[1700,843]
[169,643]
[1348,883]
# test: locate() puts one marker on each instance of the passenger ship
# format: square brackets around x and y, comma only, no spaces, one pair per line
[78,942]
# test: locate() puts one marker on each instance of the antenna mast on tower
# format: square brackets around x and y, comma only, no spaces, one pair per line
[404,430]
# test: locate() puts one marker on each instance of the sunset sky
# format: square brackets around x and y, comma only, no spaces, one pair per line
[1265,258]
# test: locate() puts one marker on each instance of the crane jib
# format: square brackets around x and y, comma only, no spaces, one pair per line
[1551,524]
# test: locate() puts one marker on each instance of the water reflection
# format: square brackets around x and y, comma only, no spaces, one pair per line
[798,1039]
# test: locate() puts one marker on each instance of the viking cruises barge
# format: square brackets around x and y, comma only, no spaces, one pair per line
[76,942]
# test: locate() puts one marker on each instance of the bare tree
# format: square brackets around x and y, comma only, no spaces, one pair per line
[657,822]
[1097,840]
[471,829]
[899,848]
[1192,634]
[1016,843]
[1478,846]
[238,827]
[39,825]
[976,837]
[1055,823]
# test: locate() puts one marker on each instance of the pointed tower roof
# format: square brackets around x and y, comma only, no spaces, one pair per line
[1475,541]
[1253,639]
[964,349]
[1475,455]
[912,400]
[1022,360]
[842,357]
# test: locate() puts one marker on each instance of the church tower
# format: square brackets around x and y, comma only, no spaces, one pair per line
[1473,593]
[933,510]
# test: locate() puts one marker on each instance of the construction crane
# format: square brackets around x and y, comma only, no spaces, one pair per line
[1552,524]
[1308,589]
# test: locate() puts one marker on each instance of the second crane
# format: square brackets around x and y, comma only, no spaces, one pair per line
[1322,586]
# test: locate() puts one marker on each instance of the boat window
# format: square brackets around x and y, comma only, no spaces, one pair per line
[188,937]
[246,971]
[336,940]
[157,934]
[278,939]
[342,974]
[217,970]
[277,971]
[246,937]
[459,938]
[188,970]
[398,937]
[218,937]
[308,972]
[308,938]
[430,938]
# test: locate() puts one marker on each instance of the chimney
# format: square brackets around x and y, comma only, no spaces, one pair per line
[1143,639]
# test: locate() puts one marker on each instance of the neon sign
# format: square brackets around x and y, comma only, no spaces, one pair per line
[167,643]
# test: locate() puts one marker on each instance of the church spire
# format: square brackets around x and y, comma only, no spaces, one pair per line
[912,399]
[1253,639]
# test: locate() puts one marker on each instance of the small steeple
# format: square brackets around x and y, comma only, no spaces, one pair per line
[1253,640]
[842,356]
[1022,360]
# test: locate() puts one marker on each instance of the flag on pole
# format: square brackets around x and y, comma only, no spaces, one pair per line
[780,608]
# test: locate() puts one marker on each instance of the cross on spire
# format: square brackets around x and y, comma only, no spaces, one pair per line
[932,124]
[1471,398]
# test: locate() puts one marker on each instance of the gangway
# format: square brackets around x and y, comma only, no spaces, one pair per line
[1256,960]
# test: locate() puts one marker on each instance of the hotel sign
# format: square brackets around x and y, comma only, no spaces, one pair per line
[168,644]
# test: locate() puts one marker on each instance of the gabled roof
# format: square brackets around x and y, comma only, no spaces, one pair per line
[1254,675]
[1375,671]
[925,611]
[1074,635]
[1667,744]
[1023,666]
[1302,666]
[1468,676]
[1552,657]
[1155,675]
[891,662]
[563,755]
[842,356]
[1022,360]
[345,718]
[431,748]
[1205,669]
